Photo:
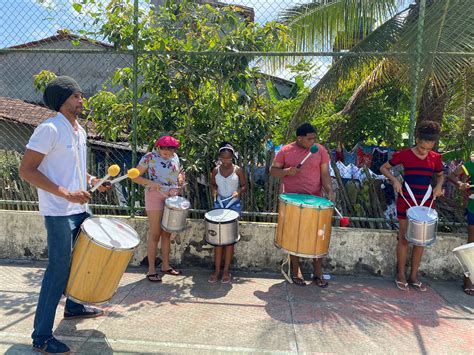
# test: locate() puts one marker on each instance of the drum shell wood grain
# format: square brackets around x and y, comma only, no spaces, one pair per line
[95,270]
[304,231]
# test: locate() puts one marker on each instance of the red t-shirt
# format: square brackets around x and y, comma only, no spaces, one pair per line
[308,179]
[417,172]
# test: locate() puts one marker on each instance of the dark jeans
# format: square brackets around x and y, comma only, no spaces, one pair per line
[62,231]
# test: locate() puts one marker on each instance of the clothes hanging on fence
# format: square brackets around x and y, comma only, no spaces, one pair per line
[363,158]
[379,157]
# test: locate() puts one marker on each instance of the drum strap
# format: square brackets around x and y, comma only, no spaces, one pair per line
[75,148]
[286,275]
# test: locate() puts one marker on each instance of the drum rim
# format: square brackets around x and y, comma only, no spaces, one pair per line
[75,299]
[464,246]
[173,231]
[300,204]
[422,244]
[104,245]
[175,207]
[301,255]
[222,245]
[413,220]
[215,222]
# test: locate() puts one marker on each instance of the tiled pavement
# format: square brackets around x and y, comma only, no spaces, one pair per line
[255,313]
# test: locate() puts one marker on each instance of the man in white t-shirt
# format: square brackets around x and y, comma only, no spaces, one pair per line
[55,162]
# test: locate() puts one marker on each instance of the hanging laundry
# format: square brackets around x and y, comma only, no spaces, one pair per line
[363,159]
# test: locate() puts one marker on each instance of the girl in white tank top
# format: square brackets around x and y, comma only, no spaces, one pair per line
[228,182]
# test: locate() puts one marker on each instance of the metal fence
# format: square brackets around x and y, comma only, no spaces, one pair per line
[246,71]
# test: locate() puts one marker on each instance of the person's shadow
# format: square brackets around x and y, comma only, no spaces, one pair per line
[85,341]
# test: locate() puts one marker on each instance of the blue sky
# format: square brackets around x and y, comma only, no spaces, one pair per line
[23,21]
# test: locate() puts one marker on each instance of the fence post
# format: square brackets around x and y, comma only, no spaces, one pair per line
[133,188]
[416,74]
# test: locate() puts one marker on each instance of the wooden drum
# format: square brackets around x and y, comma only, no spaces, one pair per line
[100,256]
[304,225]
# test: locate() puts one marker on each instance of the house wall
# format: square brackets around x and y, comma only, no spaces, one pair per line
[91,71]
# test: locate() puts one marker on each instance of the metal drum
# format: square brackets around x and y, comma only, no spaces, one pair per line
[304,225]
[465,256]
[175,214]
[101,254]
[222,227]
[422,225]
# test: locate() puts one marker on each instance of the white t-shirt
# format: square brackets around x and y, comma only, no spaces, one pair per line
[56,139]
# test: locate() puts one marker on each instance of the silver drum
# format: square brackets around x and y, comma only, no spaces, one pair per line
[222,227]
[422,225]
[465,256]
[175,214]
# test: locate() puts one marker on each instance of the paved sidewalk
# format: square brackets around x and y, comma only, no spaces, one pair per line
[256,313]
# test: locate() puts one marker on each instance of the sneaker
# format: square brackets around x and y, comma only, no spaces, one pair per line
[52,346]
[85,312]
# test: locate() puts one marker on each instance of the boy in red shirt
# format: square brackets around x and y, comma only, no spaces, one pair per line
[307,179]
[419,165]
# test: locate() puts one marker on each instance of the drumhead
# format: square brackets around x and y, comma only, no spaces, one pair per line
[110,233]
[420,214]
[221,215]
[177,202]
[306,200]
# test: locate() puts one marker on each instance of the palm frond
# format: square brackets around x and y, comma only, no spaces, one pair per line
[443,33]
[317,25]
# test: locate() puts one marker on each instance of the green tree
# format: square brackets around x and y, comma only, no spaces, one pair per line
[349,24]
[201,99]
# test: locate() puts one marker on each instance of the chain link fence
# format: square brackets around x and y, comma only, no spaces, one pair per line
[248,72]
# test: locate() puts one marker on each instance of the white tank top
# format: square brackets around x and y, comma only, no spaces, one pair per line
[227,185]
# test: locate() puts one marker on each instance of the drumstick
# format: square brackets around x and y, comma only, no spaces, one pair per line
[431,204]
[112,171]
[131,173]
[344,221]
[314,149]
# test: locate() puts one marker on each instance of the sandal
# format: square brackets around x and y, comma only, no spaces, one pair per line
[212,279]
[468,290]
[226,278]
[402,285]
[172,272]
[153,277]
[298,281]
[419,286]
[320,282]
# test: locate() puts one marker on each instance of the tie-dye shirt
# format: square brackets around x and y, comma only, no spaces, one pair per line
[164,172]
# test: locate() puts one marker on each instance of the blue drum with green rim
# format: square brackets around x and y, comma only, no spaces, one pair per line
[304,225]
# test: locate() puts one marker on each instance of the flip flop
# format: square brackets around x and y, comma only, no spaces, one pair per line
[401,285]
[320,282]
[419,286]
[172,272]
[468,290]
[212,279]
[226,279]
[153,277]
[298,281]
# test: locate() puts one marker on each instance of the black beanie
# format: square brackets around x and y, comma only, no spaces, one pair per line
[59,90]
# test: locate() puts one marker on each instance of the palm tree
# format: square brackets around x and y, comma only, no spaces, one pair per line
[449,27]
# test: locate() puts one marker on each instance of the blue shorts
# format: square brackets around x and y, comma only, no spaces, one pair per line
[235,206]
[470,218]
